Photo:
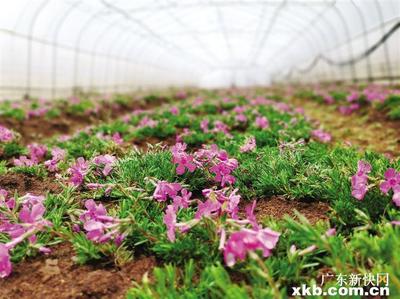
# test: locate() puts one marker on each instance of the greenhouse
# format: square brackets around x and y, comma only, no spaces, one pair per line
[199,149]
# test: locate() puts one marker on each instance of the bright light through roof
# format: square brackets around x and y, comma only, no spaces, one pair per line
[101,43]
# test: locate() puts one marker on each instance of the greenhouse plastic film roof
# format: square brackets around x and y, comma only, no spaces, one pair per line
[50,48]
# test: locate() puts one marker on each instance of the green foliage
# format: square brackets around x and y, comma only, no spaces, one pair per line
[84,145]
[13,149]
[53,113]
[392,105]
[35,170]
[7,110]
[81,107]
[213,282]
[137,168]
[3,167]
[312,172]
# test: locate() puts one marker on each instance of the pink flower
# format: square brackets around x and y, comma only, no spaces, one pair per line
[241,118]
[183,200]
[6,201]
[165,190]
[147,122]
[250,216]
[24,227]
[174,110]
[282,107]
[78,171]
[6,135]
[23,161]
[217,203]
[329,99]
[395,222]
[37,151]
[330,232]
[5,262]
[249,146]
[99,226]
[353,96]
[170,222]
[116,137]
[64,138]
[198,101]
[392,179]
[246,240]
[347,110]
[221,127]
[396,196]
[219,163]
[299,110]
[223,171]
[204,125]
[359,181]
[181,95]
[261,122]
[30,199]
[321,136]
[182,159]
[105,161]
[58,155]
[206,154]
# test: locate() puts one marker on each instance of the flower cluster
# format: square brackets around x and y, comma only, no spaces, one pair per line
[248,240]
[181,200]
[347,110]
[36,153]
[359,181]
[240,116]
[392,182]
[174,110]
[221,127]
[104,163]
[6,135]
[218,162]
[204,125]
[78,171]
[21,227]
[57,155]
[321,135]
[147,122]
[99,226]
[261,122]
[249,146]
[182,159]
[223,170]
[165,190]
[218,202]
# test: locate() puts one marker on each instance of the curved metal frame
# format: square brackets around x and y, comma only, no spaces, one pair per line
[59,26]
[124,49]
[34,19]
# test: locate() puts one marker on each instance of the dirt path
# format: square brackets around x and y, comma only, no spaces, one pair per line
[366,129]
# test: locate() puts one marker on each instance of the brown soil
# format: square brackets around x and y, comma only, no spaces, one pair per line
[367,129]
[57,276]
[278,207]
[36,129]
[23,183]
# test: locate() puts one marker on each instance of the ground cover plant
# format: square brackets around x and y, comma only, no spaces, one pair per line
[196,194]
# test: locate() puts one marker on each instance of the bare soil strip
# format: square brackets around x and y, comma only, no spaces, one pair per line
[367,129]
